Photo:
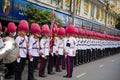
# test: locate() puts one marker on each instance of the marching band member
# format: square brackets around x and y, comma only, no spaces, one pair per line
[34,48]
[22,42]
[11,29]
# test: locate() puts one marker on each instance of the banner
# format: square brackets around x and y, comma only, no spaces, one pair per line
[103,15]
[97,13]
[67,4]
[86,7]
[6,8]
[78,23]
[86,25]
[78,7]
[96,27]
[14,9]
[64,18]
[19,9]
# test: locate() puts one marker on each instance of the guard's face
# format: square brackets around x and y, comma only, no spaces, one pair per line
[23,33]
[46,36]
[61,37]
[37,35]
[11,34]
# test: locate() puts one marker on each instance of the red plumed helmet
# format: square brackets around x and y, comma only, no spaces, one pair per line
[23,26]
[76,31]
[45,29]
[35,28]
[0,27]
[61,31]
[80,31]
[70,29]
[54,29]
[11,27]
[84,32]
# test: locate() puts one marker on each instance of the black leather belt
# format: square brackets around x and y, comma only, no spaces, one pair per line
[22,47]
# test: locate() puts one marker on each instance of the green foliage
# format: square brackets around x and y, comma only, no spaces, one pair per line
[39,16]
[117,26]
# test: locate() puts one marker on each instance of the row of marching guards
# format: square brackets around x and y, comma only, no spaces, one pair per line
[92,46]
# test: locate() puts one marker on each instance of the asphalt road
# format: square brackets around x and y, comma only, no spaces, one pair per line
[103,69]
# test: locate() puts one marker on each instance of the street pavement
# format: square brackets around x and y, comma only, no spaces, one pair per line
[107,68]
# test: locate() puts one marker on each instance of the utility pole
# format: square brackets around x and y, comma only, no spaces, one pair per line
[73,12]
[106,11]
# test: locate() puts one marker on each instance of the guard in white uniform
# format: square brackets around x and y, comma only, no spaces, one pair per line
[70,50]
[22,42]
[60,49]
[34,48]
[77,39]
[64,59]
[44,51]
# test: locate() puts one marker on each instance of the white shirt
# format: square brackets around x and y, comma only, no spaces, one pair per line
[71,43]
[77,42]
[83,44]
[44,44]
[60,46]
[22,44]
[34,46]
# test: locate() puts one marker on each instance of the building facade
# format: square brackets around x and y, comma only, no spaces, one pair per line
[95,15]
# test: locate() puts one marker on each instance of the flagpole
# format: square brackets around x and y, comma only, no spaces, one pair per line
[51,34]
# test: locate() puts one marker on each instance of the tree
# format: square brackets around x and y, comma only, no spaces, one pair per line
[40,16]
[117,26]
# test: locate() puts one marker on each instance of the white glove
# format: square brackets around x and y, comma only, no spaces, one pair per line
[31,59]
[52,54]
[65,56]
[18,60]
[43,56]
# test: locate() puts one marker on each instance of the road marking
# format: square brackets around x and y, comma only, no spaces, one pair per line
[101,66]
[78,76]
[113,60]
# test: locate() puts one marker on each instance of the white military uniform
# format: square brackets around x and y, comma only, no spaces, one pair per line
[60,46]
[44,44]
[71,46]
[34,46]
[71,53]
[22,43]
